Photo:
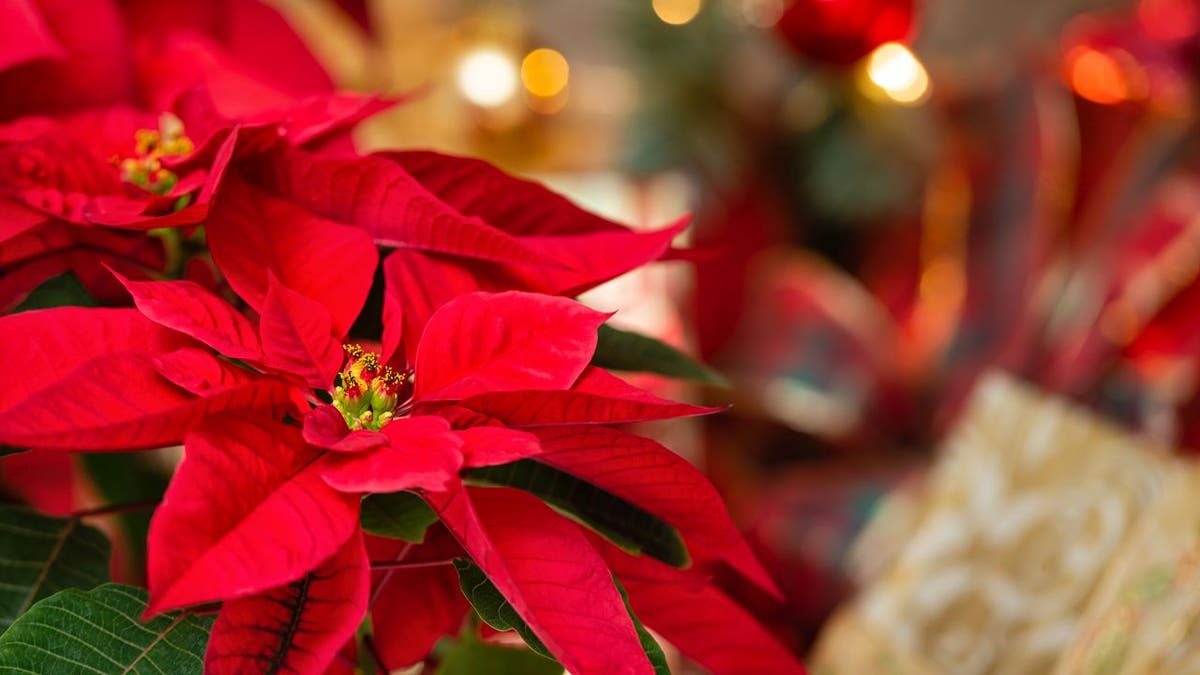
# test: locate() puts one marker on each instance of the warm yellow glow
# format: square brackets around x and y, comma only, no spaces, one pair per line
[545,72]
[676,12]
[896,71]
[487,77]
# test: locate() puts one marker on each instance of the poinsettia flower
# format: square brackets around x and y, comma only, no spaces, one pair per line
[133,113]
[260,506]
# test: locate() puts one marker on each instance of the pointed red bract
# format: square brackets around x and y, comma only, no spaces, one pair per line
[586,248]
[121,402]
[504,342]
[191,309]
[297,338]
[423,454]
[404,634]
[325,428]
[381,198]
[597,397]
[45,346]
[246,512]
[546,569]
[253,234]
[95,69]
[297,628]
[656,479]
[485,446]
[698,619]
[203,373]
[27,36]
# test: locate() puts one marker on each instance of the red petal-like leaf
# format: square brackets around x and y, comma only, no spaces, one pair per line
[378,196]
[246,512]
[16,219]
[44,346]
[297,338]
[297,628]
[416,284]
[121,402]
[203,373]
[698,619]
[96,70]
[27,37]
[423,454]
[252,234]
[412,610]
[190,308]
[488,445]
[325,428]
[658,480]
[598,397]
[504,342]
[587,248]
[546,569]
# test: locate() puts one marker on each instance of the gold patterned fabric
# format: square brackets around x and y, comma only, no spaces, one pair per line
[1048,541]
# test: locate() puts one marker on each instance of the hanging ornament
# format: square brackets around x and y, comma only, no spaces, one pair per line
[840,32]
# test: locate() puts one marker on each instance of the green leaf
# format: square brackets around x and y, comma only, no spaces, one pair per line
[469,656]
[625,350]
[97,631]
[400,515]
[40,555]
[649,645]
[622,522]
[60,291]
[491,606]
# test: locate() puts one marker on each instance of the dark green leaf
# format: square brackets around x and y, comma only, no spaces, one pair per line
[624,523]
[61,291]
[469,656]
[649,645]
[85,632]
[40,555]
[491,606]
[625,350]
[400,515]
[129,478]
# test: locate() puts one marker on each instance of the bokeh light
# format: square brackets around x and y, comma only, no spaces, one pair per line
[1110,76]
[676,12]
[898,73]
[545,72]
[487,77]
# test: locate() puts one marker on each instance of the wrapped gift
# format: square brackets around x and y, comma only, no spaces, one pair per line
[1028,504]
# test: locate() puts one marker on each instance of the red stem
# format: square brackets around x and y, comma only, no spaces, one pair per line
[401,565]
[388,575]
[112,509]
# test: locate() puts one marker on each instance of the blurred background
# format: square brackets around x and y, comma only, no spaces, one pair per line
[891,199]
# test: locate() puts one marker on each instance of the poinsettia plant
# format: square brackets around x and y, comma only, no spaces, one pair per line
[397,430]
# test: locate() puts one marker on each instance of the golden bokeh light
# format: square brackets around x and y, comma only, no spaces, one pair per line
[898,74]
[676,12]
[545,72]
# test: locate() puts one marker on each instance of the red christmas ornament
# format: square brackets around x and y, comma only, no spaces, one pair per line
[840,32]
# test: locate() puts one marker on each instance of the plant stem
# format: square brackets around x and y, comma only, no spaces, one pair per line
[112,509]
